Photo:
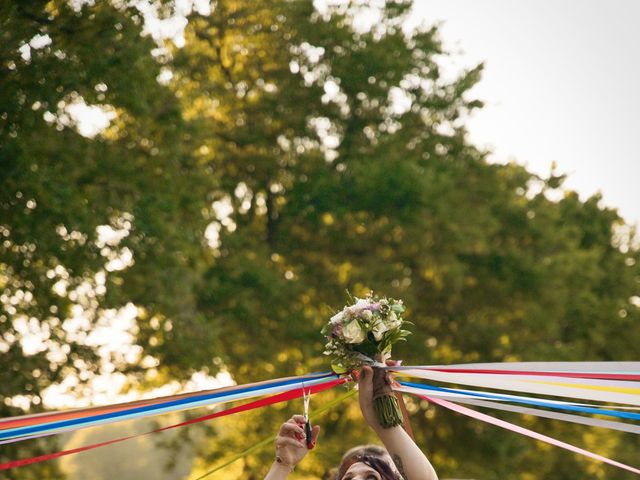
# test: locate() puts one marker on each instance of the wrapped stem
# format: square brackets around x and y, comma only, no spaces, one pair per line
[384,400]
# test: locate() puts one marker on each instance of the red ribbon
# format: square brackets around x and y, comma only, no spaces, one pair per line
[607,376]
[37,418]
[281,397]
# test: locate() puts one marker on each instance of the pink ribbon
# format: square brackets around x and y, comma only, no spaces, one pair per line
[524,431]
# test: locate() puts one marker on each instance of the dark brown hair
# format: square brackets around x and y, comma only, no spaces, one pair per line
[372,456]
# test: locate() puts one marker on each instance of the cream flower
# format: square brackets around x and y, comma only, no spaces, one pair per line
[367,315]
[393,321]
[353,332]
[337,317]
[378,330]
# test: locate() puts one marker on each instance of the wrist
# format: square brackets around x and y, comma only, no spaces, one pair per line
[278,471]
[280,465]
[372,420]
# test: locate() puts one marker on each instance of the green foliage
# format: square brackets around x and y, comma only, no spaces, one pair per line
[286,116]
[57,187]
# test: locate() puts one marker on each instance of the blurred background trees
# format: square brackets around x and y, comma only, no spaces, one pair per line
[239,183]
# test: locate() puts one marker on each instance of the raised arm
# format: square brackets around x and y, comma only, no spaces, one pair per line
[409,459]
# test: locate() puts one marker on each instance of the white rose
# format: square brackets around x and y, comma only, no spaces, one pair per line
[353,332]
[393,321]
[337,317]
[366,314]
[378,330]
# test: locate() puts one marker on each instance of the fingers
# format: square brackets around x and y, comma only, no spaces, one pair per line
[293,430]
[365,383]
[315,431]
[296,419]
[289,442]
[291,427]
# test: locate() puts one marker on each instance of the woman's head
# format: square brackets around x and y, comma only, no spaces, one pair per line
[368,462]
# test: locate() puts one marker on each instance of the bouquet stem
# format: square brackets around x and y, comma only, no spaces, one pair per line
[384,400]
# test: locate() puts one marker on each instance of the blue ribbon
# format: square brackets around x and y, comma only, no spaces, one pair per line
[22,431]
[575,408]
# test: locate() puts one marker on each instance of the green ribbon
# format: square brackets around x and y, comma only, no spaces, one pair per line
[267,441]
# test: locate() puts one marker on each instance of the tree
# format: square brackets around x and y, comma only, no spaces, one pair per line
[323,156]
[359,191]
[136,177]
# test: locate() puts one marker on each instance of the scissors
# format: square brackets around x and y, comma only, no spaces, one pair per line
[307,425]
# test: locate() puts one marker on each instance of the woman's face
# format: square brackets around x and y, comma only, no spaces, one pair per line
[361,471]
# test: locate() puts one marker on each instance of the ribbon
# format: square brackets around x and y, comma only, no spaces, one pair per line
[39,418]
[589,370]
[610,382]
[268,440]
[526,400]
[565,417]
[524,431]
[289,395]
[474,400]
[162,405]
[600,390]
[566,367]
[602,376]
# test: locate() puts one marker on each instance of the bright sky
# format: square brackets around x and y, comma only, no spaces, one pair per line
[561,83]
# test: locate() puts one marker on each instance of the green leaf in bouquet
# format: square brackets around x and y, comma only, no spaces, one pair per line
[368,348]
[339,368]
[398,308]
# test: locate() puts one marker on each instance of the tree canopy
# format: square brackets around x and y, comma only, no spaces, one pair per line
[244,181]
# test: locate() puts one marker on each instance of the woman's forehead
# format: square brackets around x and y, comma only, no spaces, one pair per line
[360,467]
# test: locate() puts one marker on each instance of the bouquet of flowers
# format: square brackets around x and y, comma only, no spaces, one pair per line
[363,334]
